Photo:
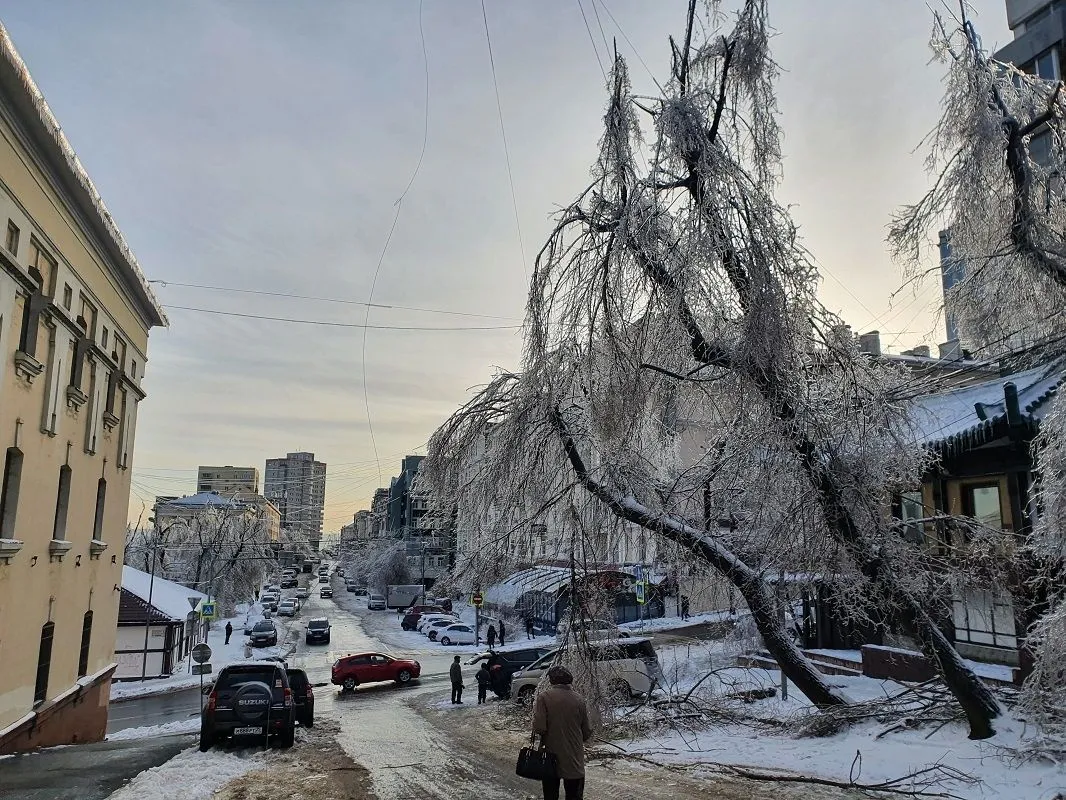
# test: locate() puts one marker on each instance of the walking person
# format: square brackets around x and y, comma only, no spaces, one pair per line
[529,626]
[490,636]
[456,674]
[229,631]
[483,678]
[561,720]
[684,606]
[503,632]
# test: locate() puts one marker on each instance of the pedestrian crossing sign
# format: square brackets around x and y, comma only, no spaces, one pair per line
[208,610]
[640,592]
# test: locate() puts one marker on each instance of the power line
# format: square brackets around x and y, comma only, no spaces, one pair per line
[329,324]
[328,299]
[592,39]
[503,134]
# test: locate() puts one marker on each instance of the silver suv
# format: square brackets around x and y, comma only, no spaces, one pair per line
[629,667]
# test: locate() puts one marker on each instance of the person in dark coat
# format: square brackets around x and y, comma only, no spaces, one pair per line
[561,719]
[456,674]
[503,632]
[482,677]
[490,636]
[229,631]
[529,626]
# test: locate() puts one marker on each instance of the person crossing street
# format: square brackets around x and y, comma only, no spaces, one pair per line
[456,675]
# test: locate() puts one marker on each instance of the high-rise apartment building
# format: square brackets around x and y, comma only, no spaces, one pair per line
[228,481]
[75,312]
[296,484]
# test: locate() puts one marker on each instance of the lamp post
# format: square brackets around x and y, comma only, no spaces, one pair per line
[151,587]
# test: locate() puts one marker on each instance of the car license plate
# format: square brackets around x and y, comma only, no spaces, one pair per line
[247,731]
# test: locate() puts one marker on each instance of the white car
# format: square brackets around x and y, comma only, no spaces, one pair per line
[428,619]
[433,629]
[456,634]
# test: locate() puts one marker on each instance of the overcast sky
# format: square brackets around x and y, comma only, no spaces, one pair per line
[264,145]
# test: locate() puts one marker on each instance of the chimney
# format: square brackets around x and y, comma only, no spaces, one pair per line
[951,350]
[921,350]
[870,343]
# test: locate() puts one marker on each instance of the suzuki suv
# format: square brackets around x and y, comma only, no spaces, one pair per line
[253,699]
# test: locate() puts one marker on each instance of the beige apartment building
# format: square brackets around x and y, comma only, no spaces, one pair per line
[75,312]
[228,481]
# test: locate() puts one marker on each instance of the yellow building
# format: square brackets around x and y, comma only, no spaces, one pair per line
[75,311]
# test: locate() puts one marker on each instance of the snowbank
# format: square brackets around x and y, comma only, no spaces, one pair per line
[190,775]
[151,731]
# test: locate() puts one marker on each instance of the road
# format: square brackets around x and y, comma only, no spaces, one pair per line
[144,711]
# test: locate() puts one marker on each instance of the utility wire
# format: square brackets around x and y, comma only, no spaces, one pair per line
[327,299]
[503,133]
[362,326]
[592,39]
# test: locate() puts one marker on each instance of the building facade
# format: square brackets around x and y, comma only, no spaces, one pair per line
[228,481]
[296,484]
[75,312]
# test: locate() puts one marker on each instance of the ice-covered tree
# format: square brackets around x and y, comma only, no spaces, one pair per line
[673,309]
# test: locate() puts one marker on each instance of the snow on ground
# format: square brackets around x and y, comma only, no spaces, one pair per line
[191,775]
[221,655]
[672,623]
[150,731]
[891,756]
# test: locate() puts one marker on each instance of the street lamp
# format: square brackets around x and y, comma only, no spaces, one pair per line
[151,587]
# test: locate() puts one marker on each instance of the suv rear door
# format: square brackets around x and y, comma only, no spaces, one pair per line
[248,695]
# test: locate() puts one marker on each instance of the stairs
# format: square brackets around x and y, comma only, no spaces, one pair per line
[827,665]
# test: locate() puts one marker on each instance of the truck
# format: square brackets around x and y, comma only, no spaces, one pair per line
[403,595]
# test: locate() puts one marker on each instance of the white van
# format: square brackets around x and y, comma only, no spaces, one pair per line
[631,667]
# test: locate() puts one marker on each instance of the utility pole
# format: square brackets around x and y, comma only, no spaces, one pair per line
[781,597]
[151,588]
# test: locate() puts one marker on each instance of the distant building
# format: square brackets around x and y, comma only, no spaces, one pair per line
[379,514]
[251,507]
[75,316]
[296,484]
[228,481]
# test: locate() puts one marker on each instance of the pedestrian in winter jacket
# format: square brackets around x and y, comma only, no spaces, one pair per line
[229,631]
[456,674]
[490,636]
[503,632]
[483,679]
[561,720]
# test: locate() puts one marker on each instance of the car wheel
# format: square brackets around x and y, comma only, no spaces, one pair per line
[308,721]
[350,684]
[445,641]
[525,695]
[403,676]
[327,640]
[288,737]
[207,740]
[307,641]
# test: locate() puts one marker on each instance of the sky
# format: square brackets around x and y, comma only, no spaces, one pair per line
[284,146]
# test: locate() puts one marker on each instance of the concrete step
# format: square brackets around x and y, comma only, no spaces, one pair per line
[764,661]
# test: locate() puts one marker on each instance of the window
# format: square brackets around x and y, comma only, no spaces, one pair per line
[59,527]
[46,265]
[12,240]
[103,338]
[133,369]
[1046,65]
[9,494]
[88,312]
[44,663]
[86,638]
[911,508]
[101,500]
[981,501]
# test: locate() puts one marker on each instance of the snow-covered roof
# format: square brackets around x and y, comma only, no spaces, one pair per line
[168,597]
[546,579]
[46,128]
[972,415]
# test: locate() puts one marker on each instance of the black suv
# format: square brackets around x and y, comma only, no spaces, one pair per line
[253,699]
[504,664]
[303,697]
[317,631]
[264,634]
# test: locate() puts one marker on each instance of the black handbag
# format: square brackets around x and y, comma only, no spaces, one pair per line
[537,763]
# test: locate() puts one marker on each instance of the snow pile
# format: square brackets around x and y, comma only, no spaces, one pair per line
[167,729]
[190,775]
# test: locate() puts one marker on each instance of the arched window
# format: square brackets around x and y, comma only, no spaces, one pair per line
[86,638]
[44,663]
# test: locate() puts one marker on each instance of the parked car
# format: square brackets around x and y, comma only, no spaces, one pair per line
[303,697]
[340,571]
[443,602]
[428,619]
[287,607]
[325,591]
[350,671]
[411,618]
[317,631]
[456,634]
[289,583]
[250,622]
[251,699]
[323,578]
[303,593]
[432,629]
[504,664]
[376,602]
[264,634]
[591,628]
[270,601]
[632,663]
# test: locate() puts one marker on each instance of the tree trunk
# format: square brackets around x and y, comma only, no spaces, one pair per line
[761,601]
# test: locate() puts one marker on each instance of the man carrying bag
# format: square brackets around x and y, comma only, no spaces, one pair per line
[561,720]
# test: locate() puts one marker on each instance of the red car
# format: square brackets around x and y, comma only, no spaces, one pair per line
[350,671]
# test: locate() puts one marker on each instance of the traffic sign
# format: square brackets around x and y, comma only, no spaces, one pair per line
[640,593]
[201,653]
[640,573]
[477,599]
[208,610]
[201,669]
[194,601]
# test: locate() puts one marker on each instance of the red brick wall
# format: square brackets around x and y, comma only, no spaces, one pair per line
[883,662]
[77,719]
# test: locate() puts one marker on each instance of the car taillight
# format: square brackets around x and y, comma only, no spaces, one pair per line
[212,701]
[288,697]
[310,693]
